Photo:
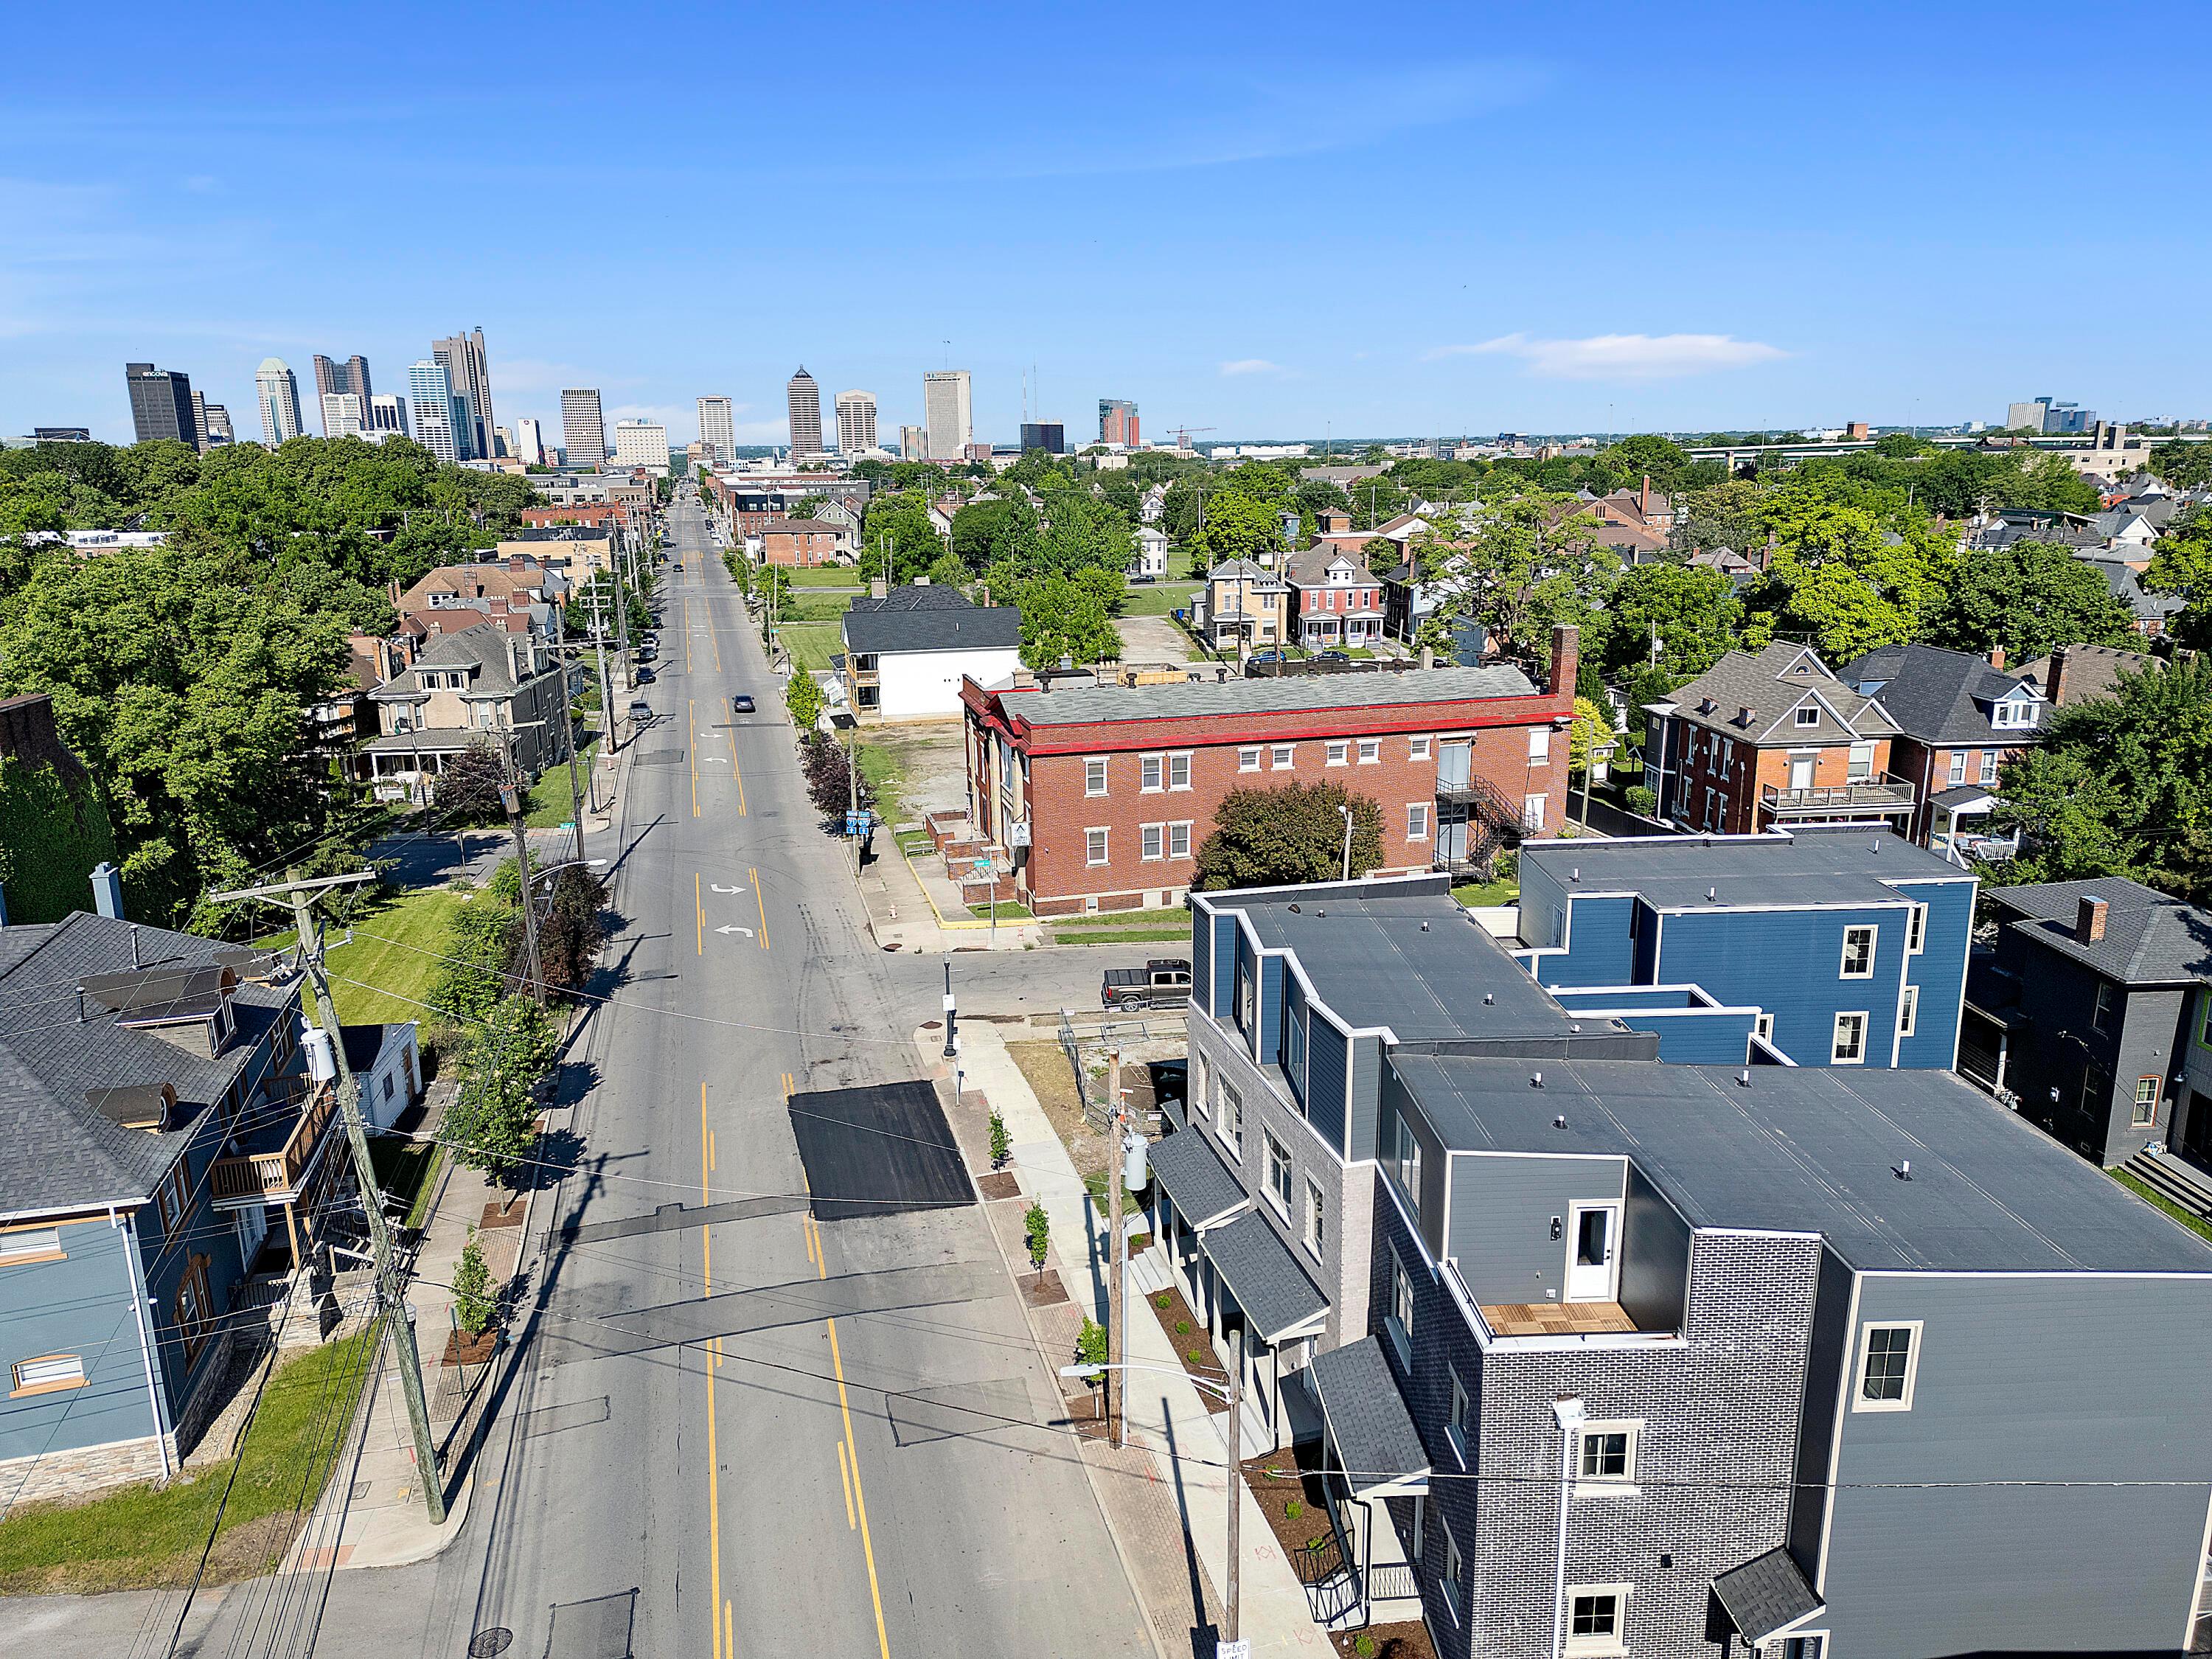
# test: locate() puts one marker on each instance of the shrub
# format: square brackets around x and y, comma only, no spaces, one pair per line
[1166,1299]
[1196,1355]
[1183,1327]
[1642,801]
[1002,1144]
[1293,1509]
[1090,1344]
[1037,1225]
[472,1303]
[1363,1646]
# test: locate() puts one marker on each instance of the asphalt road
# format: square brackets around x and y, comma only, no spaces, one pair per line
[744,1431]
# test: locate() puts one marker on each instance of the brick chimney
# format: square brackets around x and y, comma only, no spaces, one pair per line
[1566,642]
[2050,692]
[1997,657]
[2089,918]
[1643,498]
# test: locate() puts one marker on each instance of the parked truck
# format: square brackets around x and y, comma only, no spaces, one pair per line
[1162,983]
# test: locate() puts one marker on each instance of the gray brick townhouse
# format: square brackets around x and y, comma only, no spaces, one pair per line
[1616,1356]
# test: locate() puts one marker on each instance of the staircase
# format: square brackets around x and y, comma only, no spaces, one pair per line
[1149,1272]
[2175,1180]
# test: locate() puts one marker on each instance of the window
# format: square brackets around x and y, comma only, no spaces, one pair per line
[1316,1231]
[28,1245]
[1179,840]
[1540,745]
[1094,846]
[1989,767]
[1248,760]
[1595,1622]
[1283,756]
[1762,1026]
[1908,1011]
[1916,930]
[1278,1175]
[2108,1005]
[1809,715]
[1232,1121]
[1294,1062]
[1148,773]
[1455,1571]
[1889,1359]
[1858,954]
[1455,1426]
[1849,1048]
[169,1197]
[1178,771]
[1606,1456]
[1958,772]
[2146,1112]
[1409,1162]
[1810,1645]
[192,1307]
[1371,751]
[1417,748]
[1859,767]
[1337,750]
[49,1373]
[1416,820]
[1532,811]
[1400,1323]
[1094,775]
[1152,841]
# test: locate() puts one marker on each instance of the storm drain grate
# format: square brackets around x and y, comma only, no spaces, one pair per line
[487,1644]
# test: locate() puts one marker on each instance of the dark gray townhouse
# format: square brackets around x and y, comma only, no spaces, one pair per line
[1616,1356]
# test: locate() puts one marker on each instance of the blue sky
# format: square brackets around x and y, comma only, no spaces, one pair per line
[1262,221]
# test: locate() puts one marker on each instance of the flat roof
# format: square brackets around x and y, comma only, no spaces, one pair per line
[1816,864]
[1381,688]
[1807,1149]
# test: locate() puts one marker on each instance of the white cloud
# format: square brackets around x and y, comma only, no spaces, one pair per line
[1621,356]
[1251,366]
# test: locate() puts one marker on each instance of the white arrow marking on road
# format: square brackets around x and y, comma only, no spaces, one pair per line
[714,887]
[747,932]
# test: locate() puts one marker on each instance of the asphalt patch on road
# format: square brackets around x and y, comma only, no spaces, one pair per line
[882,1150]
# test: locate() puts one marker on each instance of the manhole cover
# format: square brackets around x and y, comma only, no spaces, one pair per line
[486,1642]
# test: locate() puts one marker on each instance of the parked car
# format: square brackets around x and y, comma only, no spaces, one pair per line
[741,704]
[640,709]
[1332,656]
[644,676]
[1162,983]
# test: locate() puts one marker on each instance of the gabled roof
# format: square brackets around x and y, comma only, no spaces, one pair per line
[931,624]
[2150,938]
[2128,587]
[1765,1595]
[1310,567]
[1940,697]
[479,647]
[1772,685]
[1230,570]
[2089,671]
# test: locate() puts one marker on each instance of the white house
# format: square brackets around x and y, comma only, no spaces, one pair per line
[906,652]
[386,1062]
[1148,563]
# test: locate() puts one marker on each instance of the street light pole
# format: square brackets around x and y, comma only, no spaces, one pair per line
[510,797]
[1118,1268]
[1346,811]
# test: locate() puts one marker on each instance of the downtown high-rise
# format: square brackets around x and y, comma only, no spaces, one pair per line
[947,412]
[342,380]
[1117,421]
[441,413]
[160,405]
[803,399]
[583,428]
[276,389]
[718,427]
[856,422]
[463,355]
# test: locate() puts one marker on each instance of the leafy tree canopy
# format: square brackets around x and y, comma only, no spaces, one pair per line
[1294,833]
[1694,612]
[2028,598]
[897,527]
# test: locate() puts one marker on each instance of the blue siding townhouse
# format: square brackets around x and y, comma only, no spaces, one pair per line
[1847,945]
[149,1113]
[1612,1355]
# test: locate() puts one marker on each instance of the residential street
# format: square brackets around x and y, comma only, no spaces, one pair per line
[738,1431]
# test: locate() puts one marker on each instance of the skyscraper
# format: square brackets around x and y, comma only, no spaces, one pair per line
[336,379]
[1050,436]
[1117,421]
[160,403]
[441,412]
[387,413]
[343,414]
[529,442]
[213,423]
[856,422]
[945,409]
[642,443]
[718,427]
[914,443]
[582,428]
[278,391]
[462,355]
[804,399]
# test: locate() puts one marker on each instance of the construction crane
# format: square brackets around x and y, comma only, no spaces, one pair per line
[1182,434]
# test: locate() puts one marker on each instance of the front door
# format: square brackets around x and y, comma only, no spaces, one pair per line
[1801,771]
[1592,1251]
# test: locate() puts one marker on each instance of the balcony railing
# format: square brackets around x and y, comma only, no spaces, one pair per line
[272,1175]
[1888,793]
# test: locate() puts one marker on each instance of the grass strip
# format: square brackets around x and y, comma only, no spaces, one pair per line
[2196,1223]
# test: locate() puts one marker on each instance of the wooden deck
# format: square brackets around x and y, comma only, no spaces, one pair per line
[1556,1318]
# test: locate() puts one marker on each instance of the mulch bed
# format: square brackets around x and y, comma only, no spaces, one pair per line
[1280,1478]
[999,1185]
[1044,1294]
[1408,1641]
[1190,1338]
[497,1214]
[464,1350]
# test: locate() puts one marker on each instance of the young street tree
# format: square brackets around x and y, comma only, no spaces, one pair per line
[492,1122]
[803,697]
[1272,837]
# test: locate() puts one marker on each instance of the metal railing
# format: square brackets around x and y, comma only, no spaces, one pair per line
[1888,792]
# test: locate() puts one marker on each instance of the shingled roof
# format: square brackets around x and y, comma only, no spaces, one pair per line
[1755,697]
[2150,938]
[1938,696]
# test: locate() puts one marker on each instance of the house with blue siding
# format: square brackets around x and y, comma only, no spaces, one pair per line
[154,1127]
[1847,943]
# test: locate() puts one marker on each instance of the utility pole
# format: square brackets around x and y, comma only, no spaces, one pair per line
[1115,1387]
[853,801]
[510,797]
[568,721]
[390,1294]
[1235,1472]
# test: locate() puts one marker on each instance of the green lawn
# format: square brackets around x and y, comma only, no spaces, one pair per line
[1123,935]
[814,607]
[406,1169]
[915,843]
[1008,911]
[2196,1223]
[550,805]
[1157,599]
[146,1536]
[811,644]
[402,959]
[827,575]
[883,770]
[1505,891]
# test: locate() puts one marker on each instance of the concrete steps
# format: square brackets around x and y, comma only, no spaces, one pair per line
[2174,1180]
[1149,1272]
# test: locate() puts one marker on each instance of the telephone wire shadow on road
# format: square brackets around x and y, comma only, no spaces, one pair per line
[882,1150]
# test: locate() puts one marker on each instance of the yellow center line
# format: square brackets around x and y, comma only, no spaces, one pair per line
[736,771]
[692,749]
[714,1352]
[845,1473]
[859,1494]
[699,914]
[762,904]
[687,634]
[729,1631]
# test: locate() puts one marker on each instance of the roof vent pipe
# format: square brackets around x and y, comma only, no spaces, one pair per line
[1535,1079]
[1904,1170]
[1743,1077]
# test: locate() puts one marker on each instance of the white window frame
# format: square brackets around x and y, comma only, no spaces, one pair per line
[26,1245]
[1989,772]
[2143,1110]
[1281,1175]
[1455,1421]
[1339,752]
[1916,930]
[1873,937]
[1836,1055]
[1316,1229]
[1806,715]
[1232,1119]
[1283,758]
[1098,851]
[1416,820]
[1094,775]
[1398,1321]
[1179,839]
[1540,745]
[1179,770]
[1908,1010]
[1533,808]
[1903,1402]
[1622,1484]
[1590,1647]
[1419,748]
[1371,751]
[1152,843]
[1762,1024]
[47,1373]
[1152,774]
[1247,758]
[1957,774]
[1454,1570]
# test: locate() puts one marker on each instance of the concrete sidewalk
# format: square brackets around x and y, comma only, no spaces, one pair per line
[1169,1507]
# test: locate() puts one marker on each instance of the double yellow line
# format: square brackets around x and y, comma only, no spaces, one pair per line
[718,1612]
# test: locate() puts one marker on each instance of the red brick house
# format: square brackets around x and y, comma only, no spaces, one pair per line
[1334,602]
[802,541]
[1959,719]
[1099,797]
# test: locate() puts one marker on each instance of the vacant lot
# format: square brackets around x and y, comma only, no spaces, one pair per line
[916,767]
[384,973]
[811,644]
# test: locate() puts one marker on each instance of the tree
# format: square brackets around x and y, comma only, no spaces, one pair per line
[2181,564]
[572,929]
[478,969]
[2180,464]
[1276,837]
[1695,613]
[1522,565]
[1647,455]
[831,784]
[2121,785]
[1239,527]
[1065,615]
[898,526]
[491,1123]
[467,792]
[1592,727]
[2028,598]
[986,532]
[1037,1230]
[1383,555]
[472,1303]
[1718,516]
[1083,533]
[803,697]
[1847,578]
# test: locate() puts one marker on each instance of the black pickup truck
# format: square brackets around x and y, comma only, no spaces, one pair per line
[1162,983]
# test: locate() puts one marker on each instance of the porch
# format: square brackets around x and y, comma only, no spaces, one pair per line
[1885,797]
[1372,1451]
[275,1159]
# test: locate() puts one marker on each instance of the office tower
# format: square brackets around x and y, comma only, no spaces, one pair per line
[718,428]
[856,422]
[1117,421]
[160,403]
[804,399]
[387,413]
[440,413]
[641,443]
[340,379]
[914,443]
[344,416]
[946,411]
[529,442]
[215,427]
[278,391]
[1050,436]
[582,428]
[462,355]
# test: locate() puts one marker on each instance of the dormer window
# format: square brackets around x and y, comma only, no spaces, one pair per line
[2013,714]
[1809,716]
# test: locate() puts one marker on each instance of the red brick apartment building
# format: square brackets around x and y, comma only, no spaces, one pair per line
[1099,797]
